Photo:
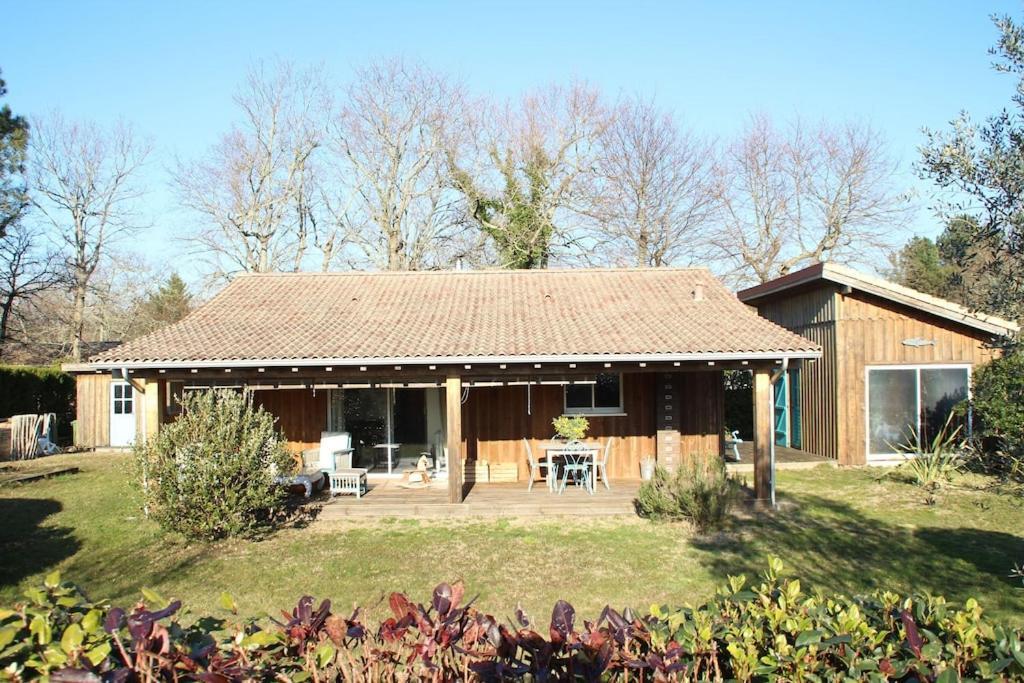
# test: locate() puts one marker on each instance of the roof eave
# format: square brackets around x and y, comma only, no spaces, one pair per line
[443,360]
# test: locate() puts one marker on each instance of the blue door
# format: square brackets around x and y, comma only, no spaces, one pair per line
[794,408]
[781,412]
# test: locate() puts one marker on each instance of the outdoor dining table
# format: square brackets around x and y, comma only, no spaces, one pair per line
[553,449]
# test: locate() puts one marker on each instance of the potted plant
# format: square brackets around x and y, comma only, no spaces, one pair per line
[570,427]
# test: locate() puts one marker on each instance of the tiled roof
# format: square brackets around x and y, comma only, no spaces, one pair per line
[455,315]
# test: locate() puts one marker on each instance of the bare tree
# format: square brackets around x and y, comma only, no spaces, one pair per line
[83,180]
[27,269]
[250,187]
[799,196]
[654,190]
[389,137]
[521,176]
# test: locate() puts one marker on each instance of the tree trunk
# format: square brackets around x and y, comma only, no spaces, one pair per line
[5,317]
[78,321]
[395,248]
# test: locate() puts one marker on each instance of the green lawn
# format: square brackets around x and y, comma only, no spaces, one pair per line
[842,530]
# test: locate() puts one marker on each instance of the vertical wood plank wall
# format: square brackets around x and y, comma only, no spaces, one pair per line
[93,410]
[871,332]
[495,421]
[301,414]
[814,314]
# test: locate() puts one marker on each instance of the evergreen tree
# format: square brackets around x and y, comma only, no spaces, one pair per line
[919,265]
[168,304]
[13,147]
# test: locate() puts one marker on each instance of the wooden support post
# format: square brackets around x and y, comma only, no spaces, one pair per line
[453,404]
[153,407]
[762,434]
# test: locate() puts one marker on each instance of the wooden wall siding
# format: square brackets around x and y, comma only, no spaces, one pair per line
[812,307]
[819,422]
[813,315]
[301,414]
[93,410]
[871,332]
[494,422]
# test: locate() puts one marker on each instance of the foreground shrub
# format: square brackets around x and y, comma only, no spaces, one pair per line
[772,631]
[700,491]
[210,474]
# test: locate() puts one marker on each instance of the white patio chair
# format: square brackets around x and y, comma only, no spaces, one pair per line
[335,451]
[602,463]
[535,468]
[733,441]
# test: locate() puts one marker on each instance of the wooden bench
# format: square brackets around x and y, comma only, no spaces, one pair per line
[348,480]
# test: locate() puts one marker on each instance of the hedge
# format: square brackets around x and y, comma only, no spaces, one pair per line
[30,389]
[774,631]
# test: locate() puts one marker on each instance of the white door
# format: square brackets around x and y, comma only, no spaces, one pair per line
[122,414]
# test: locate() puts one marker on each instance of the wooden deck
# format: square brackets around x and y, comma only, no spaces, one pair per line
[785,459]
[388,499]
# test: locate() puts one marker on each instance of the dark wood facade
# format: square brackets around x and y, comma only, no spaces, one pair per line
[495,420]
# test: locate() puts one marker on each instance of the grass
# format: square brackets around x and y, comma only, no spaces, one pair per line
[845,530]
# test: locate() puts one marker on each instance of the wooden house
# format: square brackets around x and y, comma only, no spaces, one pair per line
[476,361]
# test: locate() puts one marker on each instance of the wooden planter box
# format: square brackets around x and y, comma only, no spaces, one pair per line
[507,472]
[477,471]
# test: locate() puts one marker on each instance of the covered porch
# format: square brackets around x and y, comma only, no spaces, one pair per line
[478,426]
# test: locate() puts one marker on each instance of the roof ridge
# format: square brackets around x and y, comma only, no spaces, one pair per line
[477,271]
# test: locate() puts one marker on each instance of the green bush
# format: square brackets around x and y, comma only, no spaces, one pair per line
[997,404]
[773,630]
[210,474]
[26,389]
[699,491]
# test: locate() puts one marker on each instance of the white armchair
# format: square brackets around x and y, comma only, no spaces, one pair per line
[335,451]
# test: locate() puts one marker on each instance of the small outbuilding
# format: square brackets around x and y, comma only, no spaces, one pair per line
[895,362]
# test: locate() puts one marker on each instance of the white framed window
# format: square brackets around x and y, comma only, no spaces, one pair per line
[602,397]
[904,400]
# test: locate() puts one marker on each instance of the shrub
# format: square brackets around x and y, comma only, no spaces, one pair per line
[774,630]
[26,389]
[997,404]
[210,474]
[700,491]
[929,465]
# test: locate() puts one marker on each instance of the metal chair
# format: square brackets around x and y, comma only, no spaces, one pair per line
[602,463]
[578,466]
[535,468]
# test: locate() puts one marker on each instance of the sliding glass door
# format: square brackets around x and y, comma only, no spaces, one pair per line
[904,401]
[390,427]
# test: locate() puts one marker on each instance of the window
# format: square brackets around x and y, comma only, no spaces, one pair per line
[908,400]
[602,397]
[175,392]
[122,399]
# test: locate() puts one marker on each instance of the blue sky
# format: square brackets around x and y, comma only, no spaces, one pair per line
[171,68]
